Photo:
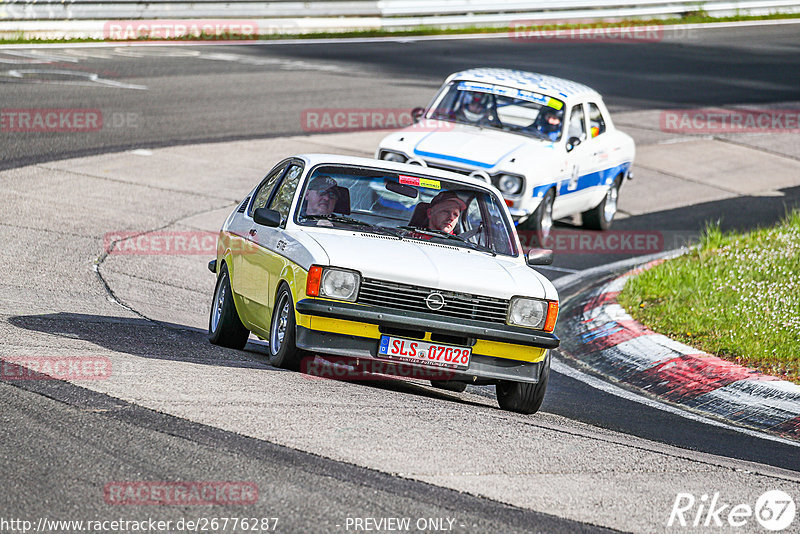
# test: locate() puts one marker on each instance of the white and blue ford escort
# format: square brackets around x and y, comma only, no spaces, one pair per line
[546,143]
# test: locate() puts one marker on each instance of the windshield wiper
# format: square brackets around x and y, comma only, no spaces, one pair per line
[353,222]
[440,233]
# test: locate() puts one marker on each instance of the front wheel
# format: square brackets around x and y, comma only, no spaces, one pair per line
[541,221]
[283,352]
[601,216]
[224,326]
[524,397]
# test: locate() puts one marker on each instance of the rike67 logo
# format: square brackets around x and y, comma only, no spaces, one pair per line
[774,511]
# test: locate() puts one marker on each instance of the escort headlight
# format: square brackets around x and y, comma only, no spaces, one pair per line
[393,156]
[533,313]
[339,284]
[509,184]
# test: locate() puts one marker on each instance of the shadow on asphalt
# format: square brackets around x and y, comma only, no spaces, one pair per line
[170,341]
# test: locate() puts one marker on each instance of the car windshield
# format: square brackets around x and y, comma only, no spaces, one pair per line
[503,108]
[406,206]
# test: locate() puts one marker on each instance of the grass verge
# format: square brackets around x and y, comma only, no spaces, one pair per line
[695,17]
[736,296]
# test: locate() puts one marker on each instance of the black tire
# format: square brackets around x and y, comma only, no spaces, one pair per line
[224,326]
[283,351]
[449,385]
[601,216]
[541,221]
[523,397]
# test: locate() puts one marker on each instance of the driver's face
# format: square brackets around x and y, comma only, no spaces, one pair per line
[552,120]
[320,202]
[444,216]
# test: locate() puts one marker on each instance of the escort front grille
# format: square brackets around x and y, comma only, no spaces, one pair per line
[403,297]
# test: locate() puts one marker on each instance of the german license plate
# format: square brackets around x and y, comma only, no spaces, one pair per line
[425,353]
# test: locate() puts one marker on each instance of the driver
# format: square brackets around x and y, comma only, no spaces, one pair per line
[321,196]
[444,211]
[549,123]
[475,107]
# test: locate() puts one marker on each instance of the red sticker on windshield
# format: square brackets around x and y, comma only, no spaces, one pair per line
[410,180]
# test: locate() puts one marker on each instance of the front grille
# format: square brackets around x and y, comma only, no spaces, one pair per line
[458,170]
[403,297]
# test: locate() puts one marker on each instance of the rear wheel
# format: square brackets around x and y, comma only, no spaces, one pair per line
[224,326]
[602,215]
[524,397]
[283,352]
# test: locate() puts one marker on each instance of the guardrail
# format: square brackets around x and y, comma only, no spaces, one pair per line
[86,18]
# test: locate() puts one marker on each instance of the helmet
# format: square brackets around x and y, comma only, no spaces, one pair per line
[474,105]
[549,120]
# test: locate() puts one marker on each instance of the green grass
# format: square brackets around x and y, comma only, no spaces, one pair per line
[736,296]
[693,17]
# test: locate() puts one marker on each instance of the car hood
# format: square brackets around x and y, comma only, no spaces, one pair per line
[476,147]
[430,264]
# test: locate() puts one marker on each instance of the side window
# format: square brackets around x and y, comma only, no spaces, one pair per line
[285,193]
[262,194]
[597,123]
[577,126]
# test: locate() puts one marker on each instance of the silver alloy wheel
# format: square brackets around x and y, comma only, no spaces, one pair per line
[219,301]
[610,208]
[278,332]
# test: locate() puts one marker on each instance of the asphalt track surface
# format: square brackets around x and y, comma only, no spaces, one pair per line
[62,443]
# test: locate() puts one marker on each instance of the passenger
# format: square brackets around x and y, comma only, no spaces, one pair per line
[444,211]
[321,196]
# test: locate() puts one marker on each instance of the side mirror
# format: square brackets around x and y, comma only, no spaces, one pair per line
[539,256]
[267,217]
[572,142]
[417,113]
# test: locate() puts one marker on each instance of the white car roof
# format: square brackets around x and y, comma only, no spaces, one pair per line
[528,81]
[335,159]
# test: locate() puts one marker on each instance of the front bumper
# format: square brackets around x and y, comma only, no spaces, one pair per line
[483,368]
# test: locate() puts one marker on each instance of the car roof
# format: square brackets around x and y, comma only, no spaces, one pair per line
[313,160]
[528,81]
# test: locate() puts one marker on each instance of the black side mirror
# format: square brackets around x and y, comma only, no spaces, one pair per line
[267,217]
[417,113]
[539,256]
[572,142]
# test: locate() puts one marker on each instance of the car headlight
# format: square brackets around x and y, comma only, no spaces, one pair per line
[393,156]
[533,313]
[333,283]
[509,184]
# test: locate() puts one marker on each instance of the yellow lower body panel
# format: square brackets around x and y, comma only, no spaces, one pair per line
[483,347]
